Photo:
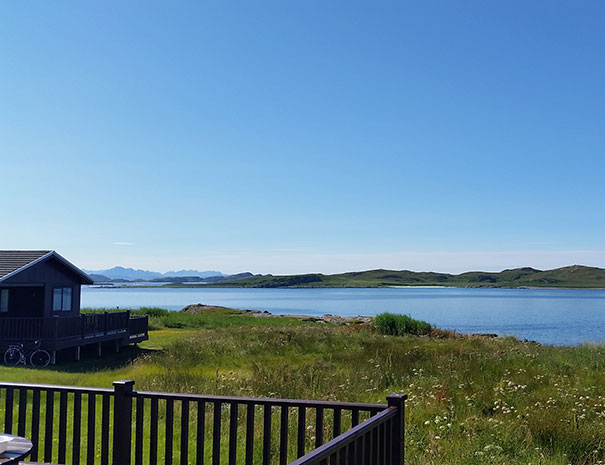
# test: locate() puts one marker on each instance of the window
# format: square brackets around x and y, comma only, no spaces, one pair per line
[4,300]
[62,299]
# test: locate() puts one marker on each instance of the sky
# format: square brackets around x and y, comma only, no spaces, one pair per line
[304,136]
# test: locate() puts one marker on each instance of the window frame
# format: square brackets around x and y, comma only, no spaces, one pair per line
[63,292]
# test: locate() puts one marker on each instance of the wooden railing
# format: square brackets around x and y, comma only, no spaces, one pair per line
[25,328]
[379,440]
[138,325]
[86,325]
[75,425]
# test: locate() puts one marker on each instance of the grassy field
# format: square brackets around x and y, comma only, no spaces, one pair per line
[471,400]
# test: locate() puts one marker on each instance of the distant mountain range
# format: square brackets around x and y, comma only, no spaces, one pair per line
[575,276]
[130,274]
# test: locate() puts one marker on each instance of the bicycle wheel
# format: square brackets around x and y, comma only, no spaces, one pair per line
[12,356]
[39,358]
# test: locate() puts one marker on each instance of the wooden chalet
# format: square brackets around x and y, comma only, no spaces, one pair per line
[40,300]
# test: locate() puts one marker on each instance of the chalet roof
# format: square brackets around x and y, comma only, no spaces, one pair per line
[15,261]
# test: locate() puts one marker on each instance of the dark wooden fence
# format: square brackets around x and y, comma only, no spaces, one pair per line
[25,328]
[121,426]
[85,326]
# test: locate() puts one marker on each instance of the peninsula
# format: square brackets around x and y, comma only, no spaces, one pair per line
[575,276]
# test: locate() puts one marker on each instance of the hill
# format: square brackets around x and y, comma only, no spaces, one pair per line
[575,276]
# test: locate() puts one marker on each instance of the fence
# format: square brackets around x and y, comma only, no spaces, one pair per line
[85,326]
[92,426]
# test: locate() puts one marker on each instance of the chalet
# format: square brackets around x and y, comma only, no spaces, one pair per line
[40,300]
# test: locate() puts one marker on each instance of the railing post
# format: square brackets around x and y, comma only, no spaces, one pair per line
[128,321]
[398,430]
[122,421]
[105,322]
[56,327]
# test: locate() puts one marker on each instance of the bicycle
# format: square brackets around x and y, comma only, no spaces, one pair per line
[16,354]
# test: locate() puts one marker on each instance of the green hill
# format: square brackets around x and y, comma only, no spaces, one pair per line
[575,276]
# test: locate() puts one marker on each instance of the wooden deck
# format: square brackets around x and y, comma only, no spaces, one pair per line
[61,333]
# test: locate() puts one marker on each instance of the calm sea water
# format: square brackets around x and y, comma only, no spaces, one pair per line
[550,316]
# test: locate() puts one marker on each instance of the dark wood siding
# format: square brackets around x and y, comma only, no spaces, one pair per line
[24,301]
[50,274]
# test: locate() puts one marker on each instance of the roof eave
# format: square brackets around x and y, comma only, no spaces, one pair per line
[85,279]
[25,267]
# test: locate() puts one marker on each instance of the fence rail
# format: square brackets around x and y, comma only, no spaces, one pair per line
[76,425]
[85,326]
[138,325]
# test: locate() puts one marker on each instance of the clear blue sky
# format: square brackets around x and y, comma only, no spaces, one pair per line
[300,136]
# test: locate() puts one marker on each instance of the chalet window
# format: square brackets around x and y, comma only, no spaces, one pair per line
[4,300]
[62,299]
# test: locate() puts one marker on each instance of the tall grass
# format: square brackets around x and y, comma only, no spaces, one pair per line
[471,400]
[399,325]
[211,317]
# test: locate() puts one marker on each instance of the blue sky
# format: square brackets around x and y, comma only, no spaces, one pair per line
[286,137]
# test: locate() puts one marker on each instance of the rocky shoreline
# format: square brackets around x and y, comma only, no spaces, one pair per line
[329,319]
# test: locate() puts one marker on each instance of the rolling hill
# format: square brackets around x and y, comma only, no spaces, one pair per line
[575,276]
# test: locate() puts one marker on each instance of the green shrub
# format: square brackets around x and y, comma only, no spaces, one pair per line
[398,325]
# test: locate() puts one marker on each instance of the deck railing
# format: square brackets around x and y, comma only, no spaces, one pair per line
[138,325]
[87,325]
[121,426]
[25,328]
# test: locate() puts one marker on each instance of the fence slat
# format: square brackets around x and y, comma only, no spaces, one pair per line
[201,431]
[169,432]
[337,422]
[48,427]
[376,442]
[283,436]
[77,419]
[267,435]
[91,426]
[138,431]
[105,430]
[319,426]
[153,432]
[302,431]
[383,443]
[233,409]
[22,411]
[184,432]
[35,437]
[8,411]
[249,434]
[62,426]
[216,434]
[368,449]
[354,417]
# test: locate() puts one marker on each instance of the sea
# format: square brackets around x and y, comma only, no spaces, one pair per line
[549,316]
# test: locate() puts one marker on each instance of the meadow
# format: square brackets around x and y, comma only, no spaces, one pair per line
[472,400]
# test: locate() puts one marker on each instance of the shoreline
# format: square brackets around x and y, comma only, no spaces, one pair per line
[329,318]
[210,286]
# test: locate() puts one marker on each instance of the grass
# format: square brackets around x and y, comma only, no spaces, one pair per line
[400,325]
[471,400]
[203,316]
